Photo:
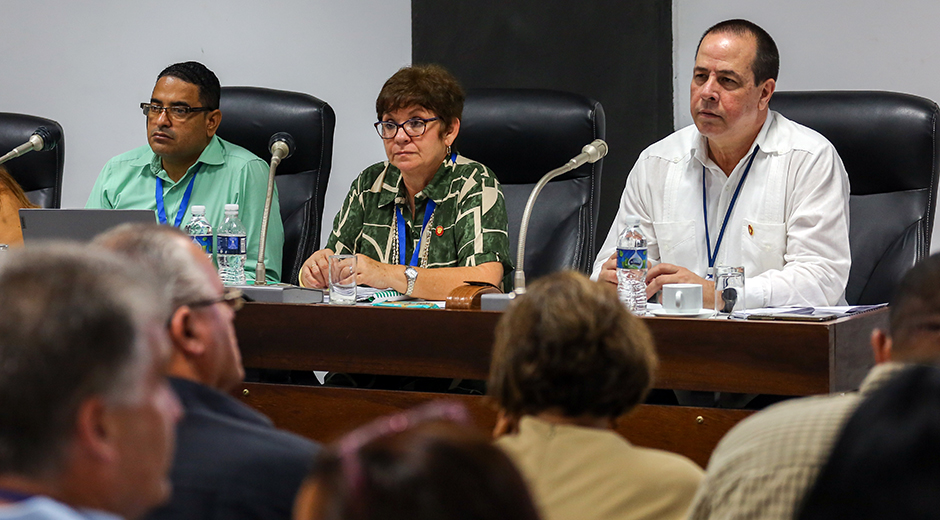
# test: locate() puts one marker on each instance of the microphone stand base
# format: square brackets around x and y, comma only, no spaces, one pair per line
[496,301]
[281,293]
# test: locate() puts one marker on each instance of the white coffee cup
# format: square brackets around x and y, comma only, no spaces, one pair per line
[682,298]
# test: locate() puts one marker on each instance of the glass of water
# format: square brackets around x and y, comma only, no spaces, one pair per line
[342,279]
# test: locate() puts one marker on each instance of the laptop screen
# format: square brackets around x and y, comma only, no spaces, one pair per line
[76,224]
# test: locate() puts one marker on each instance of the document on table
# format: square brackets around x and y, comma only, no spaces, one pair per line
[798,313]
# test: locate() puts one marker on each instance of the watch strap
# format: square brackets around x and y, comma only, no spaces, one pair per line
[411,274]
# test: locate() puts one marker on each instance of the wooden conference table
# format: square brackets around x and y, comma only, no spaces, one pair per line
[781,358]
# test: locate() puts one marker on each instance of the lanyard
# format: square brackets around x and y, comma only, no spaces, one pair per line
[12,496]
[429,209]
[734,198]
[184,204]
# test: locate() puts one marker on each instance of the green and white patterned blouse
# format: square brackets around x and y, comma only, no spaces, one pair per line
[468,226]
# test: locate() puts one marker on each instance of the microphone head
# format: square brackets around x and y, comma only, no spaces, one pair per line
[47,138]
[282,145]
[596,150]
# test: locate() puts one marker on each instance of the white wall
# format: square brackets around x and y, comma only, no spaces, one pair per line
[88,65]
[834,44]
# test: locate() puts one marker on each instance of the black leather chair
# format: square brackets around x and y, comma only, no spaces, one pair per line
[250,116]
[38,173]
[522,134]
[889,144]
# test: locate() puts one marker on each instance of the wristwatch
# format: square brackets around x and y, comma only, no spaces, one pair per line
[411,274]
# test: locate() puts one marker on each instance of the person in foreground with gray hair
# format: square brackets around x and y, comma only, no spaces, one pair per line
[86,414]
[230,460]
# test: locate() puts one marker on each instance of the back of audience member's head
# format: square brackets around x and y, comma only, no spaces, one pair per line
[419,465]
[167,253]
[84,403]
[570,346]
[202,323]
[886,463]
[915,313]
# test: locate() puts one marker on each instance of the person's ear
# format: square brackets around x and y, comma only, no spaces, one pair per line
[451,134]
[95,430]
[184,333]
[766,92]
[881,346]
[213,120]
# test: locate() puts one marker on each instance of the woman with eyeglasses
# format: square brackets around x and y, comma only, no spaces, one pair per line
[427,219]
[12,199]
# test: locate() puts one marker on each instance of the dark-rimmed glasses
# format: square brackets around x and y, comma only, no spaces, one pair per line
[414,127]
[232,297]
[175,112]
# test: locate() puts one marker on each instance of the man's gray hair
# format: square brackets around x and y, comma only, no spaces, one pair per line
[162,251]
[75,323]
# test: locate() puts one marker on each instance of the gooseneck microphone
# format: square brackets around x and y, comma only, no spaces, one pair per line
[591,153]
[43,139]
[281,146]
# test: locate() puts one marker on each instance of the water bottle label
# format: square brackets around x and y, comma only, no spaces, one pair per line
[231,245]
[631,259]
[204,242]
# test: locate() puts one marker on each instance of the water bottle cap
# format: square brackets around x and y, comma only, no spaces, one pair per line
[198,210]
[632,220]
[231,208]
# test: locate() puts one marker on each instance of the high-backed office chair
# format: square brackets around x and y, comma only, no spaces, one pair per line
[38,173]
[522,134]
[889,144]
[250,116]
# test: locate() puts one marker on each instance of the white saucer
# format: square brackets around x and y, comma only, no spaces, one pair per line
[701,313]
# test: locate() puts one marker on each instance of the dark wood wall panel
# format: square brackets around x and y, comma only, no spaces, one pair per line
[619,53]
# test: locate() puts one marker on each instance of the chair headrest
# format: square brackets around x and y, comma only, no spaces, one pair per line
[522,134]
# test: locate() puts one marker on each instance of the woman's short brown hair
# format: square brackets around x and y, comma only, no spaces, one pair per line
[428,86]
[571,346]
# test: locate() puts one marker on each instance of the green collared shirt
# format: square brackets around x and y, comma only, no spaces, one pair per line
[468,226]
[227,174]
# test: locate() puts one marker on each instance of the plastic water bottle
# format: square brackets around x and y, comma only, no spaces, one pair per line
[199,230]
[231,248]
[632,266]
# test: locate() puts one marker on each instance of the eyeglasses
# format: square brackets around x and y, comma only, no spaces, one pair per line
[176,112]
[413,127]
[232,297]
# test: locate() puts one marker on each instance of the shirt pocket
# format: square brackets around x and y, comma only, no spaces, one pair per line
[763,245]
[676,241]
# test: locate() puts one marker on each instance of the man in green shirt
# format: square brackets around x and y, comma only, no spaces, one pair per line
[186,164]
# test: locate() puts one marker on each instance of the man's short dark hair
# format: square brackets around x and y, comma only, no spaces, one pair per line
[196,73]
[570,345]
[766,62]
[73,325]
[917,294]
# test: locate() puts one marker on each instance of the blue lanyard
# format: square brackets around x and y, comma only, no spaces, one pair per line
[12,496]
[428,210]
[734,198]
[184,204]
